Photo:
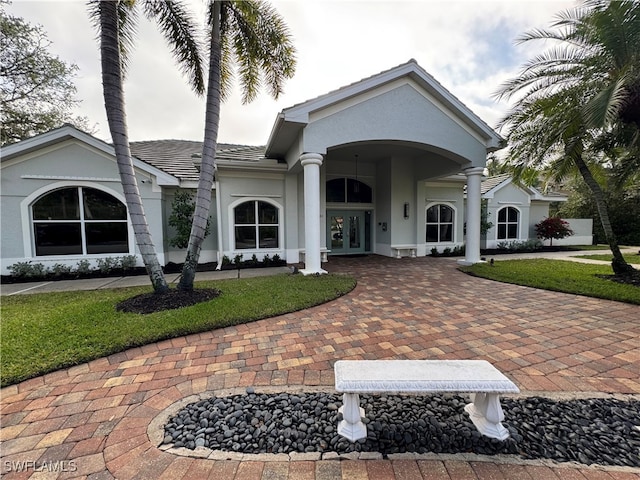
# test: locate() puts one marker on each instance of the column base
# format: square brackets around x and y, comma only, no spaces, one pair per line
[306,271]
[466,263]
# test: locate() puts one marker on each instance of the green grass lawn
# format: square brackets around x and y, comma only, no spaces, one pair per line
[629,258]
[558,275]
[45,332]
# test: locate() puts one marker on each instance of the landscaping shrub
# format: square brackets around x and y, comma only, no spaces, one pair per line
[553,228]
[27,270]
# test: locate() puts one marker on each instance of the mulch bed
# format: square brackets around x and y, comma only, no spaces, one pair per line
[154,302]
[632,278]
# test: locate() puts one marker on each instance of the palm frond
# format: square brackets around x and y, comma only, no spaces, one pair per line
[179,29]
[605,106]
[127,27]
[261,46]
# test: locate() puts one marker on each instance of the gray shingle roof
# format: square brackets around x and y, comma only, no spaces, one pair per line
[175,156]
[492,182]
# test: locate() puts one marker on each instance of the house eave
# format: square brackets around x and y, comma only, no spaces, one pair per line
[284,132]
[52,137]
[267,165]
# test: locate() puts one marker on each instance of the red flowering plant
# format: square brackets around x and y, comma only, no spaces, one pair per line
[553,227]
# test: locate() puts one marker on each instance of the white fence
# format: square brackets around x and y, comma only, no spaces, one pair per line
[582,232]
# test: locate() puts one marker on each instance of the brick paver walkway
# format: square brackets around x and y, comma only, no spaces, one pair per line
[93,420]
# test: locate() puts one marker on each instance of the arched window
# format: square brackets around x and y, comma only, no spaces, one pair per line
[440,221]
[508,223]
[256,225]
[79,221]
[348,190]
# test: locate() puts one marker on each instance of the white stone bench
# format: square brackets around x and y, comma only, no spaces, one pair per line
[478,377]
[398,249]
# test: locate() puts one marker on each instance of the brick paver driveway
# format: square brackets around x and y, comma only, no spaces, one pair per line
[94,418]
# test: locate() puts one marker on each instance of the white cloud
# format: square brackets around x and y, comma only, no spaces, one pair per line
[466,45]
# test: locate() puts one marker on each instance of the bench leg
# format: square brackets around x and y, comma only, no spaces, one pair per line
[486,414]
[351,427]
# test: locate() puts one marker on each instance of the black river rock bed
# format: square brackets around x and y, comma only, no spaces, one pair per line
[603,431]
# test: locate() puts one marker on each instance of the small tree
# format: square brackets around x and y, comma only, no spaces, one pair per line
[485,224]
[553,227]
[182,209]
[37,92]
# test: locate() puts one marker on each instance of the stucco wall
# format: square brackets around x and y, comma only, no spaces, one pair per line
[238,187]
[538,212]
[402,114]
[382,223]
[403,190]
[508,196]
[67,164]
[452,195]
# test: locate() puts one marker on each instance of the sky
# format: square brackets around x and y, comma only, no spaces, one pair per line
[467,45]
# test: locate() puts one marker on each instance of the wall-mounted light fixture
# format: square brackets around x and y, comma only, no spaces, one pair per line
[406,209]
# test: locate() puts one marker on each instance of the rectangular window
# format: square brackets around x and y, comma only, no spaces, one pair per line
[58,238]
[268,237]
[246,237]
[446,233]
[432,233]
[106,237]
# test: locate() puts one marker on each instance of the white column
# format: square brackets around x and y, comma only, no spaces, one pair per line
[312,259]
[474,200]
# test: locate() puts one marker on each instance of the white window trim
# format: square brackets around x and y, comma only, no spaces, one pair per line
[232,224]
[28,238]
[448,203]
[509,223]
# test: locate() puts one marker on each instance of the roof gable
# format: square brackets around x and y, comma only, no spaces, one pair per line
[291,120]
[69,132]
[57,135]
[491,185]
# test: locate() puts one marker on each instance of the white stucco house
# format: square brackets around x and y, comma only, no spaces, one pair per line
[390,165]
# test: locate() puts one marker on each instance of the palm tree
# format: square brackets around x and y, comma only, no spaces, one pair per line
[574,94]
[253,36]
[115,21]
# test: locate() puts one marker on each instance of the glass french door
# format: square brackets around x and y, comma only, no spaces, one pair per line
[347,231]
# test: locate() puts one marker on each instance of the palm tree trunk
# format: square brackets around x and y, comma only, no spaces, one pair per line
[619,265]
[208,166]
[114,105]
